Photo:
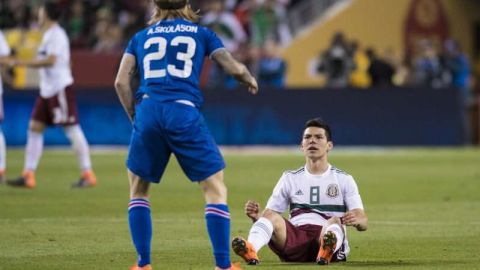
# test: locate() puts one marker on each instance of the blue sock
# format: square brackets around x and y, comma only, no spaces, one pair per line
[218,226]
[140,228]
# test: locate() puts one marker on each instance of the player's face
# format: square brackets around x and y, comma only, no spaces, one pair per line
[315,143]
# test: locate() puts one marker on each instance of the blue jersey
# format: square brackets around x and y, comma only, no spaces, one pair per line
[170,57]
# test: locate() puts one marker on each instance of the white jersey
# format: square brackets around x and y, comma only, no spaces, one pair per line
[4,51]
[55,78]
[313,199]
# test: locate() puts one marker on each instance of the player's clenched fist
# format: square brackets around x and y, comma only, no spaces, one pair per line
[252,210]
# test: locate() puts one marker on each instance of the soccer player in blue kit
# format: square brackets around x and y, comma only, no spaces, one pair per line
[168,57]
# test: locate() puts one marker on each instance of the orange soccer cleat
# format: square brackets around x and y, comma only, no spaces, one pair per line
[27,180]
[87,179]
[327,248]
[233,266]
[146,267]
[245,249]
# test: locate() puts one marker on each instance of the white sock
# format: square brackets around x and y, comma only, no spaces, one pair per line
[338,231]
[3,152]
[260,233]
[33,150]
[79,145]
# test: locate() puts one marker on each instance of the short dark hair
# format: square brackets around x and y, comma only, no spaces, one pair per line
[320,123]
[52,9]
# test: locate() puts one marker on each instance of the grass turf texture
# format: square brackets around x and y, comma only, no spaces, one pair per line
[423,207]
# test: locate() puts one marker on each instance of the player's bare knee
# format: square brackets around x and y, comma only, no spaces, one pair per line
[273,216]
[214,188]
[138,187]
[36,126]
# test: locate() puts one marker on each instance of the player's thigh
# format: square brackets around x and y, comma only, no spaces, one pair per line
[138,187]
[68,103]
[148,152]
[192,143]
[301,244]
[41,111]
[62,108]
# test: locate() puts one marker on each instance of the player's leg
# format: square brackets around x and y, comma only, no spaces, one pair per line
[217,218]
[331,239]
[63,111]
[80,145]
[139,219]
[3,147]
[3,156]
[200,159]
[33,152]
[270,227]
[148,155]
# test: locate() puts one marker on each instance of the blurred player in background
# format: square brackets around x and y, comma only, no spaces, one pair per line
[56,104]
[4,60]
[322,200]
[168,57]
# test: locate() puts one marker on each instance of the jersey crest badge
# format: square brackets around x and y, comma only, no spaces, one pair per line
[332,190]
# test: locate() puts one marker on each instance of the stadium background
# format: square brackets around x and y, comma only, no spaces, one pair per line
[421,197]
[359,113]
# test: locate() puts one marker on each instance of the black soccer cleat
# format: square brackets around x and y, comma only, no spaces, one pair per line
[27,180]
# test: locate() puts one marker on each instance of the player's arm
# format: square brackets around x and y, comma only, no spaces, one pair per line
[35,63]
[236,69]
[356,218]
[125,77]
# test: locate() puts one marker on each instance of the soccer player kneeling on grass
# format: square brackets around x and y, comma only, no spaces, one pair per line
[322,201]
[168,57]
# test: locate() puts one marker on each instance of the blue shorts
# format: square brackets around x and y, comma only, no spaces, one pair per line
[162,128]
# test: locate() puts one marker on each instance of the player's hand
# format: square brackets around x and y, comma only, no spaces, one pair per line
[252,210]
[253,86]
[355,218]
[349,219]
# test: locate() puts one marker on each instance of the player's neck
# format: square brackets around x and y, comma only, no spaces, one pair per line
[48,24]
[317,166]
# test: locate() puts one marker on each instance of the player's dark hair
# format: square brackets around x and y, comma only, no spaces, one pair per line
[53,10]
[171,9]
[318,122]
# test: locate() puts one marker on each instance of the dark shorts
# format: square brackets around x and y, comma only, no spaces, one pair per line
[163,128]
[60,109]
[302,244]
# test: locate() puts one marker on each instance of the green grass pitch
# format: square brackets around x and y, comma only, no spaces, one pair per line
[423,207]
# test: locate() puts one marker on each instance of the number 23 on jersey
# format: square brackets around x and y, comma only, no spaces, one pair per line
[185,57]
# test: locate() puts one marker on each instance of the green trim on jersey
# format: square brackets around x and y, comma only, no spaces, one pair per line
[323,208]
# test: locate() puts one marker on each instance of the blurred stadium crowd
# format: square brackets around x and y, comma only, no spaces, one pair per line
[251,29]
[345,63]
[254,30]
